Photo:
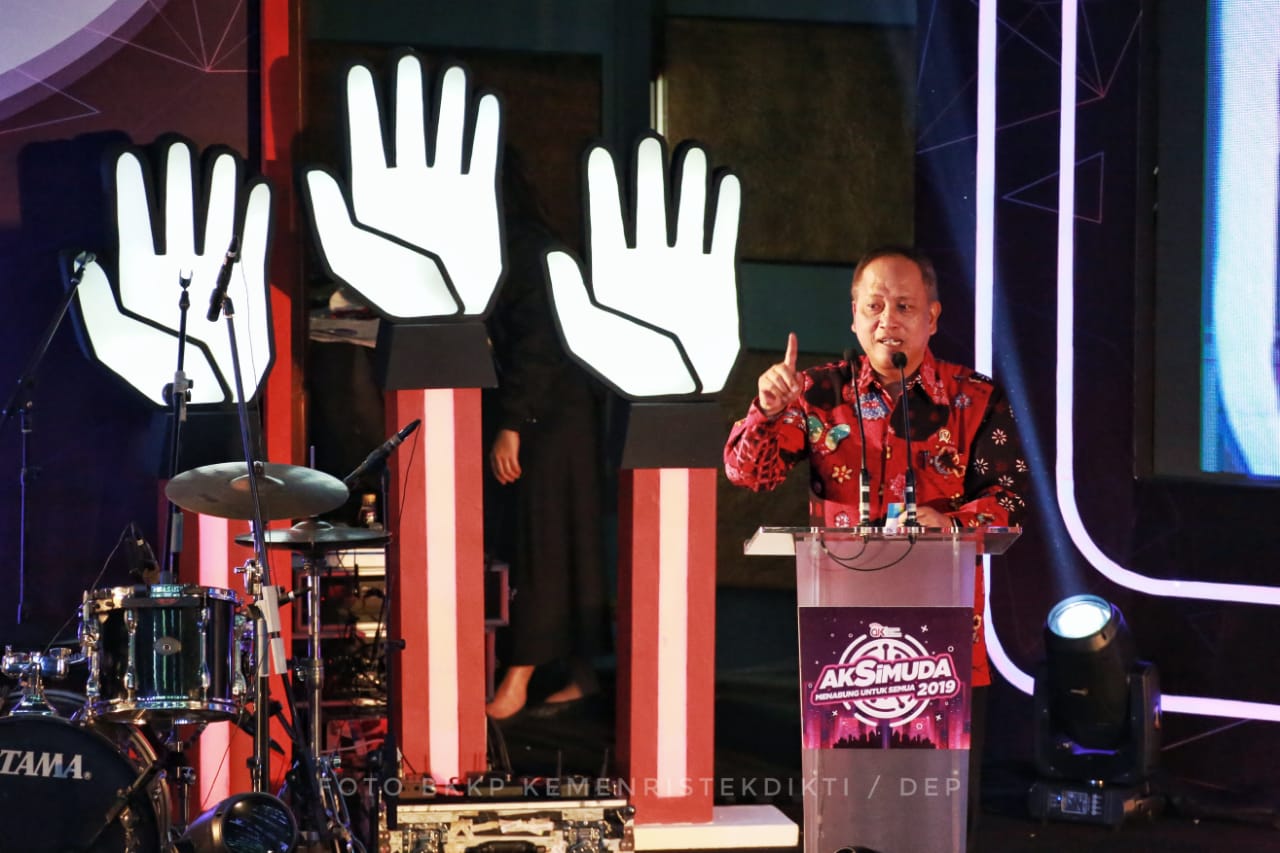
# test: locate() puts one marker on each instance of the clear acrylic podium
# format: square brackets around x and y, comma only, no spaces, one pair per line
[885,624]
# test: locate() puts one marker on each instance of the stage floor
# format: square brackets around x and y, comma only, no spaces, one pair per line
[1219,804]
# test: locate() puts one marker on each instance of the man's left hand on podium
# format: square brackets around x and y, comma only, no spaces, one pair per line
[927,516]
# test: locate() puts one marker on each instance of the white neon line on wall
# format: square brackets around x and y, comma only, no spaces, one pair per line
[984,283]
[1065,464]
[985,202]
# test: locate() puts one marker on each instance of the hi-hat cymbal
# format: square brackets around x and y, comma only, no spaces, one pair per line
[285,491]
[313,535]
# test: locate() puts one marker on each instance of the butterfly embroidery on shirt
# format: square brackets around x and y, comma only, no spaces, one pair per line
[824,438]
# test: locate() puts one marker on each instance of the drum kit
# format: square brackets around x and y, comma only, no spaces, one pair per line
[106,771]
[164,656]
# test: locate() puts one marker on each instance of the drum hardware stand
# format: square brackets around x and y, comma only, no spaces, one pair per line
[121,804]
[335,807]
[90,638]
[25,408]
[385,763]
[388,762]
[257,571]
[177,394]
[314,672]
[28,668]
[266,636]
[269,641]
[323,783]
[181,774]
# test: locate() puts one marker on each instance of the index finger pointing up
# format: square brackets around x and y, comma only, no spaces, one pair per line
[793,347]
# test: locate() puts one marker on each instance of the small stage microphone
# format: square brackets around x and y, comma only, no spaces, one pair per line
[379,455]
[78,266]
[899,360]
[224,280]
[852,355]
[142,559]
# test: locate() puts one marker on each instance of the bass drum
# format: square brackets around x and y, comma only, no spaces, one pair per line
[59,781]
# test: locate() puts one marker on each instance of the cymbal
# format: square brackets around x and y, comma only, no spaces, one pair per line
[313,535]
[286,491]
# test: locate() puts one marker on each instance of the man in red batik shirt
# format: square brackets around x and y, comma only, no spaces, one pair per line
[968,464]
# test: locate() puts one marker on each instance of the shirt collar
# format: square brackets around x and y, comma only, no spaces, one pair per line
[926,377]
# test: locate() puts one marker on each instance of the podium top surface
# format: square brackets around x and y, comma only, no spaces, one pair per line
[781,541]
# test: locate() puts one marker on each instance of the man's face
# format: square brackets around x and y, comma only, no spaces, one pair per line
[892,313]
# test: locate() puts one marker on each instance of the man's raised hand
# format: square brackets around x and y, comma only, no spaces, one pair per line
[780,385]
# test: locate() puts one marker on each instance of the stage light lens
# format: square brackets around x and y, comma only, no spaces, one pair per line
[1079,616]
[251,821]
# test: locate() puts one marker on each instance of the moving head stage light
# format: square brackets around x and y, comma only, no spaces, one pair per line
[1097,718]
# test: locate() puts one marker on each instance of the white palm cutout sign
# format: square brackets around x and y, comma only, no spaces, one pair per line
[133,330]
[661,317]
[420,238]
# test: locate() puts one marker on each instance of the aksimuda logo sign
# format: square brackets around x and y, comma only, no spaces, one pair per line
[886,676]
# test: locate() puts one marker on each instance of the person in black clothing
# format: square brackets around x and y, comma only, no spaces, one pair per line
[542,504]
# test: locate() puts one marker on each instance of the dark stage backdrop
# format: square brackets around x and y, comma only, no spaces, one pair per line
[165,70]
[67,95]
[1158,527]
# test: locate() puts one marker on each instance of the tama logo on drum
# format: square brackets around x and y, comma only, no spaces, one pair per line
[47,765]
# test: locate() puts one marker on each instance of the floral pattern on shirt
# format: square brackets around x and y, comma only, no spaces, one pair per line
[967,460]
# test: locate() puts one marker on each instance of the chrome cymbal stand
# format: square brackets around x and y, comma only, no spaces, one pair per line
[314,672]
[324,780]
[267,635]
[257,573]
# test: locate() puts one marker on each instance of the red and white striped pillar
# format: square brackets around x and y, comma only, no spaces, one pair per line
[436,563]
[666,631]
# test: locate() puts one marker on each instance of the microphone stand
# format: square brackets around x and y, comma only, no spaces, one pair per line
[909,490]
[178,394]
[25,409]
[257,580]
[267,633]
[388,761]
[864,489]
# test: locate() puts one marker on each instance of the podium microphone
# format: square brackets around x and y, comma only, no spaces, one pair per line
[381,453]
[852,355]
[899,360]
[224,280]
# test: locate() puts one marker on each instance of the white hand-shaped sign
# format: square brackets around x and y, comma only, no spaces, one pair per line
[661,317]
[133,330]
[419,238]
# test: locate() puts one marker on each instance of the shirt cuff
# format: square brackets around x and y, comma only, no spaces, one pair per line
[758,413]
